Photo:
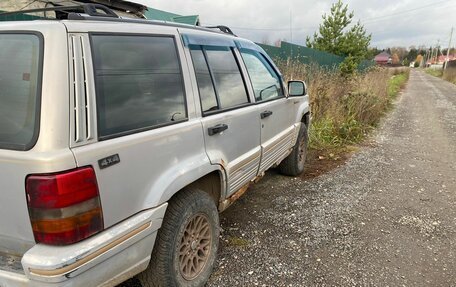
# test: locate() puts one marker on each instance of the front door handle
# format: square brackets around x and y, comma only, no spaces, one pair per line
[266,114]
[217,129]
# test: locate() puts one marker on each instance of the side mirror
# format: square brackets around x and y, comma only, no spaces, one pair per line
[297,88]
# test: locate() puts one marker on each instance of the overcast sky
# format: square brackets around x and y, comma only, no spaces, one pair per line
[391,22]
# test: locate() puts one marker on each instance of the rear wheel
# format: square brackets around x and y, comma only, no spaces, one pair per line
[187,243]
[294,163]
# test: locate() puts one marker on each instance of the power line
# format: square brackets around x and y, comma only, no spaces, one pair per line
[374,19]
[365,21]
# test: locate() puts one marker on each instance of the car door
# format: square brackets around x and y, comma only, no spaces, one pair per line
[230,119]
[275,110]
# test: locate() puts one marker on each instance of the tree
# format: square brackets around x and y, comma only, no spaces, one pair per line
[335,36]
[405,62]
[400,51]
[412,54]
[418,60]
[372,52]
[395,59]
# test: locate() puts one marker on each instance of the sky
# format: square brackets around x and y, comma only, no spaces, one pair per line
[392,23]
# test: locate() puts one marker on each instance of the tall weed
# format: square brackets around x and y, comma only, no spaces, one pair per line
[450,75]
[344,109]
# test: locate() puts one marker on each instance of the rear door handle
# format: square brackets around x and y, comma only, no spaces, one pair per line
[217,129]
[266,114]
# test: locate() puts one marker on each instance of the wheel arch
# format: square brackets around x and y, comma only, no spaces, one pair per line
[208,178]
[303,114]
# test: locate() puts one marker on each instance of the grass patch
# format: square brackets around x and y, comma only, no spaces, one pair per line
[345,110]
[448,75]
[434,72]
[238,242]
[396,83]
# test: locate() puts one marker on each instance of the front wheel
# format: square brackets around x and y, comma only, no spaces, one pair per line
[186,246]
[293,164]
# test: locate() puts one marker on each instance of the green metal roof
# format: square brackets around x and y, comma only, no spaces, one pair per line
[155,14]
[18,17]
[190,20]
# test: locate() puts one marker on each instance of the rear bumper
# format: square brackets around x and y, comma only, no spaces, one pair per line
[105,259]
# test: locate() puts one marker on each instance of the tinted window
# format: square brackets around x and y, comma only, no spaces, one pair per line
[138,81]
[19,81]
[203,77]
[265,81]
[227,77]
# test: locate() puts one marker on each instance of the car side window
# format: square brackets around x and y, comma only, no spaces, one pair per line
[205,86]
[219,78]
[139,83]
[265,81]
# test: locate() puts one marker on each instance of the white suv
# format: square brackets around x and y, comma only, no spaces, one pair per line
[121,140]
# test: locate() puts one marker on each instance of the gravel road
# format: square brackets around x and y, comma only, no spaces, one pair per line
[385,218]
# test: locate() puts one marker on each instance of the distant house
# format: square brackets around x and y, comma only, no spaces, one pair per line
[440,60]
[383,58]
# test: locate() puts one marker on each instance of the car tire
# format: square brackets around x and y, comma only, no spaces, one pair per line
[293,164]
[186,246]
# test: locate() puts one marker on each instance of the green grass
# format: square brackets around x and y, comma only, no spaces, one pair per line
[448,75]
[396,83]
[434,72]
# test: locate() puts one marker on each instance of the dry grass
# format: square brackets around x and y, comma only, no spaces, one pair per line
[344,110]
[450,75]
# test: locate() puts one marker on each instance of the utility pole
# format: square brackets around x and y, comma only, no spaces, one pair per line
[425,59]
[291,41]
[448,51]
[436,53]
[429,56]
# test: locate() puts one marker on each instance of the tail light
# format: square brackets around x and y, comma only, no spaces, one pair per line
[64,207]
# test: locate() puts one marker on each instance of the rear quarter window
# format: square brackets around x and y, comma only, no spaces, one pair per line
[20,82]
[139,83]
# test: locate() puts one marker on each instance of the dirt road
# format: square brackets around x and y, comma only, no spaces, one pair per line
[386,218]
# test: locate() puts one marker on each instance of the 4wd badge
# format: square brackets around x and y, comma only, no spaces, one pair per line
[108,161]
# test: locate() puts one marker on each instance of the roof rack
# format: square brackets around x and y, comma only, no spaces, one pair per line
[72,11]
[222,28]
[91,12]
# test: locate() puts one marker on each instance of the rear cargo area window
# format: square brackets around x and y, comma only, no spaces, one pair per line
[139,83]
[20,69]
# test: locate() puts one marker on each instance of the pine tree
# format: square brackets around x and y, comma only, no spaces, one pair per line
[335,36]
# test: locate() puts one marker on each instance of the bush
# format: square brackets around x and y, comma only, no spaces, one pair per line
[345,109]
[450,75]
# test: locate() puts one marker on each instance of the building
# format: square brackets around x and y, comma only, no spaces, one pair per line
[383,58]
[438,62]
[155,14]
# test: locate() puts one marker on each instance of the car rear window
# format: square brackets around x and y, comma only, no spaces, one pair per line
[139,83]
[20,72]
